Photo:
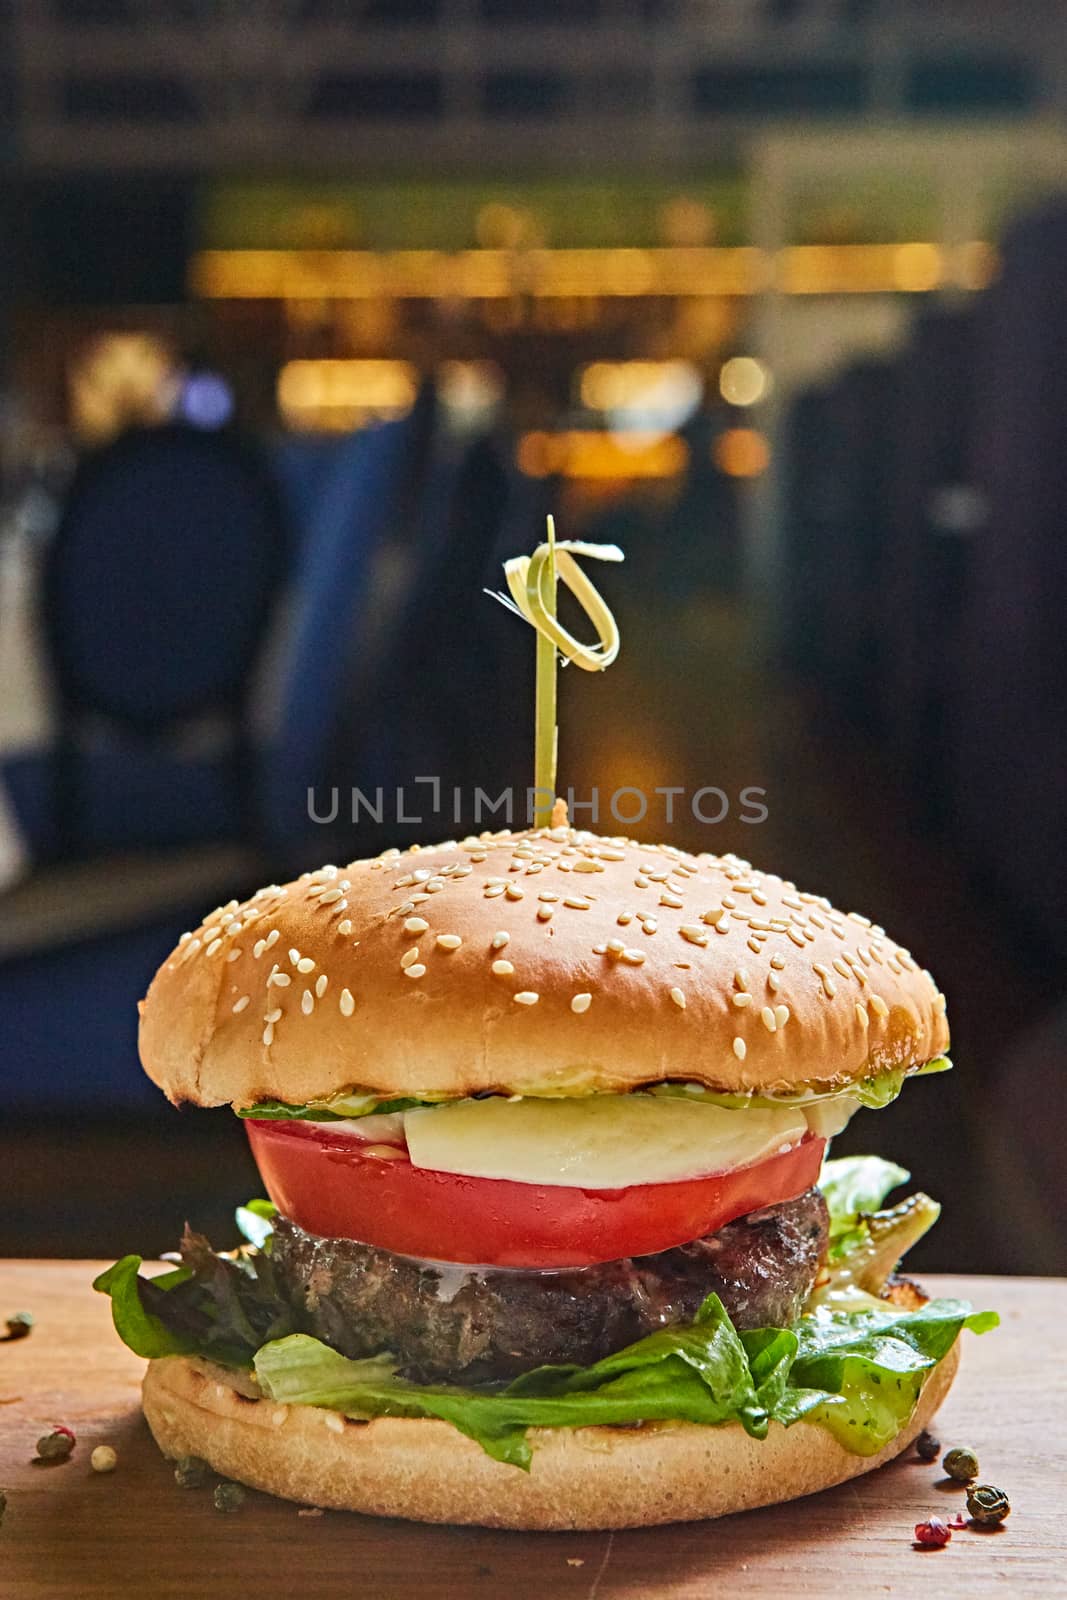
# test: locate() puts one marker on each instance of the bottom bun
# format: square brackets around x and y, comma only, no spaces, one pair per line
[600,1477]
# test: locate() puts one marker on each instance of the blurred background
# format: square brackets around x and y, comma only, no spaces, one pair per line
[310,310]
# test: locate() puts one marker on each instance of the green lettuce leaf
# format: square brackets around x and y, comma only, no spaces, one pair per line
[858,1374]
[222,1306]
[141,1330]
[857,1183]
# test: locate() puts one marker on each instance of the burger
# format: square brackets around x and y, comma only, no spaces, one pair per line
[552,1239]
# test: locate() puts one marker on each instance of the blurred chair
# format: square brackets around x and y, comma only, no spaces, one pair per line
[358,490]
[158,589]
[432,707]
[157,594]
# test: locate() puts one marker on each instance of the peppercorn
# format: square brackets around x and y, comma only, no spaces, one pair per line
[988,1506]
[191,1473]
[57,1445]
[18,1325]
[103,1459]
[927,1448]
[228,1496]
[935,1532]
[961,1464]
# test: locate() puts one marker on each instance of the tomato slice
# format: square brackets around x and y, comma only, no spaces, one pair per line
[333,1185]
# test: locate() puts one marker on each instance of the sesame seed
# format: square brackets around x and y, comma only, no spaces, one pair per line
[416,971]
[829,987]
[305,964]
[294,956]
[268,1034]
[234,955]
[713,918]
[781,1015]
[741,999]
[615,947]
[320,986]
[307,1002]
[513,892]
[773,982]
[493,889]
[544,913]
[679,998]
[409,958]
[694,933]
[668,899]
[239,1005]
[274,1015]
[741,977]
[640,883]
[272,938]
[740,1048]
[581,1002]
[448,941]
[344,928]
[577,904]
[416,925]
[769,1020]
[526,997]
[940,1003]
[839,966]
[878,1006]
[548,897]
[587,865]
[282,979]
[214,947]
[861,1015]
[796,936]
[502,969]
[633,958]
[624,918]
[499,940]
[346,1003]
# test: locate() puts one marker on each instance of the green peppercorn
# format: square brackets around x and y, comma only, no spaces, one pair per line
[191,1473]
[228,1496]
[961,1464]
[987,1505]
[19,1324]
[927,1448]
[55,1446]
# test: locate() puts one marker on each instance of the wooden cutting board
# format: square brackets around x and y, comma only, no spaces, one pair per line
[71,1534]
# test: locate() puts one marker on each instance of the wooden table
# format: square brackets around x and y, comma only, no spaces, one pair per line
[71,1534]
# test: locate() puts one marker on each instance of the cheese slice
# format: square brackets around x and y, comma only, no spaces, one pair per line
[598,1142]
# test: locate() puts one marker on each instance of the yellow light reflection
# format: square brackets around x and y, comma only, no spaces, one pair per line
[332,396]
[741,453]
[578,453]
[672,272]
[744,381]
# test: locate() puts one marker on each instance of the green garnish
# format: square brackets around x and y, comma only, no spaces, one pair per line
[874,1093]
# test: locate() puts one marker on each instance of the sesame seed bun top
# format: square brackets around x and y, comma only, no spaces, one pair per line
[547,961]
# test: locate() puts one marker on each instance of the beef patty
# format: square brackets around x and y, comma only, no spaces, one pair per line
[476,1324]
